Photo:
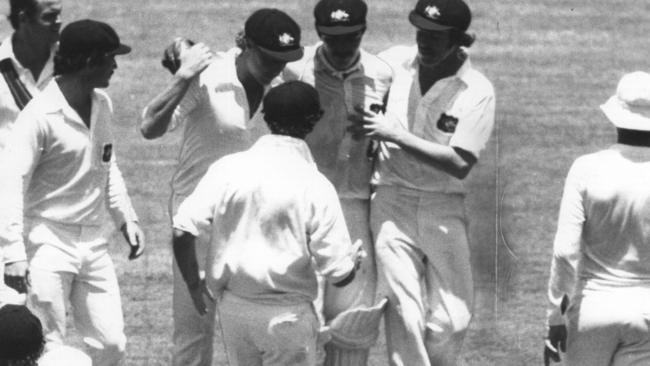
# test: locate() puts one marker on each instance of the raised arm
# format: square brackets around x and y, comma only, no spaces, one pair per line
[158,113]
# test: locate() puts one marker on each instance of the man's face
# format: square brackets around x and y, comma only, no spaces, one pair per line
[434,46]
[45,24]
[264,67]
[342,50]
[98,74]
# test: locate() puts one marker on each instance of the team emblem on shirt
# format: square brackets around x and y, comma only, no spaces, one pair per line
[286,39]
[447,123]
[340,16]
[432,12]
[107,152]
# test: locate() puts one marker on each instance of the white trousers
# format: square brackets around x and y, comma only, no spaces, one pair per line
[70,267]
[268,335]
[424,267]
[193,334]
[609,327]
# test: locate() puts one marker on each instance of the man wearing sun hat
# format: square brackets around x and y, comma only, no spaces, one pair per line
[439,116]
[218,99]
[346,76]
[599,286]
[275,221]
[61,152]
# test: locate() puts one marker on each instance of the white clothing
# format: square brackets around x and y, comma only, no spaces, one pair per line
[344,161]
[271,214]
[217,120]
[71,182]
[465,99]
[9,111]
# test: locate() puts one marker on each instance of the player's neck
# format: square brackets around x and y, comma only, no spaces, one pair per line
[633,137]
[430,74]
[78,94]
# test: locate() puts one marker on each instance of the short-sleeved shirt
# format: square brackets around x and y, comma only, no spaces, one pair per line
[346,162]
[68,170]
[8,108]
[603,231]
[274,222]
[456,111]
[215,112]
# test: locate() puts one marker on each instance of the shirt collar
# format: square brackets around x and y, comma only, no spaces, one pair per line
[55,102]
[273,141]
[321,64]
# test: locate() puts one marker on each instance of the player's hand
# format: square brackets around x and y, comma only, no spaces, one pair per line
[15,276]
[382,127]
[359,253]
[198,293]
[554,343]
[134,237]
[193,60]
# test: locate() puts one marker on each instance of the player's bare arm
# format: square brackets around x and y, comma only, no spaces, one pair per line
[134,238]
[185,254]
[158,113]
[452,160]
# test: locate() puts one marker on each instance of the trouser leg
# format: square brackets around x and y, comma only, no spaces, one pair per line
[193,334]
[352,347]
[97,309]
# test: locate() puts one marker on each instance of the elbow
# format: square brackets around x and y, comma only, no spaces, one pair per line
[147,132]
[461,170]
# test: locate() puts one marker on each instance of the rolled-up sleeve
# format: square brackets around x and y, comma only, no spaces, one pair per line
[567,245]
[119,202]
[196,212]
[329,241]
[476,123]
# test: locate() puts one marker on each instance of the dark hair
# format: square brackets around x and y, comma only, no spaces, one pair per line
[67,64]
[29,7]
[290,128]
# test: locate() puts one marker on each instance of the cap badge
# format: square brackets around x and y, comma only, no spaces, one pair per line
[340,16]
[286,39]
[432,12]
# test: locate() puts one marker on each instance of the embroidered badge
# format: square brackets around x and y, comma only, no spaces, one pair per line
[286,39]
[447,123]
[340,16]
[107,152]
[432,12]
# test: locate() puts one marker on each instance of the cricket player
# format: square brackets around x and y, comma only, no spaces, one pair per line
[346,76]
[440,114]
[599,287]
[62,152]
[275,220]
[26,66]
[218,99]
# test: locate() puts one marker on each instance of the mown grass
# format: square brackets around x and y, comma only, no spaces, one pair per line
[552,63]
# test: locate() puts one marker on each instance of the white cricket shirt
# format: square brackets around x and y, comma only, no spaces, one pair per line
[274,221]
[215,112]
[346,162]
[456,111]
[603,231]
[68,171]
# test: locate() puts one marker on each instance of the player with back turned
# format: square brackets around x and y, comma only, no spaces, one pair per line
[439,116]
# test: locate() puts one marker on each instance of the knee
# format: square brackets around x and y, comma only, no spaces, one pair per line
[110,350]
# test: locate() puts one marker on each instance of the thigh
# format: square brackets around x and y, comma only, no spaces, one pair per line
[96,303]
[48,299]
[290,338]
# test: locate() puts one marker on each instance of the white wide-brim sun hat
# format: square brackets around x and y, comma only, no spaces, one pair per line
[629,108]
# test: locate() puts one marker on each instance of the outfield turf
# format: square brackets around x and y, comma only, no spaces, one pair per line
[552,63]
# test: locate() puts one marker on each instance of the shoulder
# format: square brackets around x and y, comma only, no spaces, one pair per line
[375,67]
[221,70]
[478,81]
[400,56]
[294,70]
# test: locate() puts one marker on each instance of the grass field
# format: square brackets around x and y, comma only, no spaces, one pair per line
[552,63]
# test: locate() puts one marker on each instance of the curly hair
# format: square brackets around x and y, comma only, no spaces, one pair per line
[68,64]
[29,7]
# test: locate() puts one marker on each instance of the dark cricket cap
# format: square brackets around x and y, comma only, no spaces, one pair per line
[337,17]
[291,102]
[275,33]
[86,37]
[440,15]
[21,333]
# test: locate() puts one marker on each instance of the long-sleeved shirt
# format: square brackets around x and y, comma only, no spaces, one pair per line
[60,170]
[348,163]
[274,219]
[603,231]
[456,111]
